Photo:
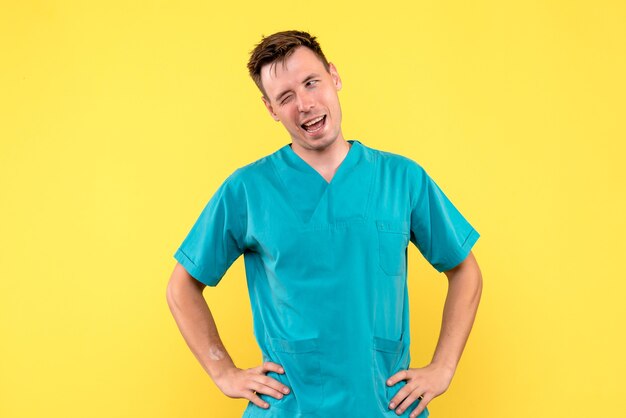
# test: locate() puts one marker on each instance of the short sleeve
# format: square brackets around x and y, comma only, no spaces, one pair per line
[216,239]
[438,230]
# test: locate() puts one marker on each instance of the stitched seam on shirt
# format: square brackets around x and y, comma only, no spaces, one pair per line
[296,214]
[371,186]
[467,237]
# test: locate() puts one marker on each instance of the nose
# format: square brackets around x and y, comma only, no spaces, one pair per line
[305,102]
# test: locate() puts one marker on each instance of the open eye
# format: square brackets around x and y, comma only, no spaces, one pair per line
[312,82]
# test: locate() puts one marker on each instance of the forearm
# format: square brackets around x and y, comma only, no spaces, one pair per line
[464,291]
[196,324]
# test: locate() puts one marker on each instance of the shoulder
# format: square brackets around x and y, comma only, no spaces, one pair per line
[251,174]
[397,162]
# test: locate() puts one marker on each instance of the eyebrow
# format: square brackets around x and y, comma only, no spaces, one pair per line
[282,93]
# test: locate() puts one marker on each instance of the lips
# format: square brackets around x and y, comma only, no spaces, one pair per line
[314,124]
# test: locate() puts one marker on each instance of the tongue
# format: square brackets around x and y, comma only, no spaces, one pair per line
[316,125]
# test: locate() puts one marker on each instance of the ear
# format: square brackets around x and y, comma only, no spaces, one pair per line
[270,108]
[335,75]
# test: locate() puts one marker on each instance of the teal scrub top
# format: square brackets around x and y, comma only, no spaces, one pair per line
[326,268]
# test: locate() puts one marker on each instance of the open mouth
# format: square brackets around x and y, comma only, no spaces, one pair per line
[314,125]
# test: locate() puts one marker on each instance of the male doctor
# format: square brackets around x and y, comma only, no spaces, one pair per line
[324,224]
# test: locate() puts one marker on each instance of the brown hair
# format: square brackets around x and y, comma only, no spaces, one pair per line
[277,48]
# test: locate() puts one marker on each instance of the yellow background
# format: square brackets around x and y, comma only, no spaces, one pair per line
[118,120]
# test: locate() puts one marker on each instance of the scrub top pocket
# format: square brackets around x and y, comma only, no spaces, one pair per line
[387,354]
[389,357]
[393,238]
[301,361]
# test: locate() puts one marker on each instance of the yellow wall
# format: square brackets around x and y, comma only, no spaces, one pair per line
[118,121]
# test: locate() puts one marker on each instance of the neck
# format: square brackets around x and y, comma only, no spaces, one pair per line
[333,153]
[327,160]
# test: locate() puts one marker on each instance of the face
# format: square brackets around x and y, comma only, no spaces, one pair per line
[302,95]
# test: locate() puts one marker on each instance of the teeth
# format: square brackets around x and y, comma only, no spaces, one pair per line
[314,121]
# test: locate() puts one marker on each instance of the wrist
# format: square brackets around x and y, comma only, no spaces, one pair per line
[218,369]
[447,368]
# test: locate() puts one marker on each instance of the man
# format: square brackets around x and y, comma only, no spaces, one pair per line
[324,225]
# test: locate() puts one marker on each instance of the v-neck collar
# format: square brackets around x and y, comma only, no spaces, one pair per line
[315,201]
[349,161]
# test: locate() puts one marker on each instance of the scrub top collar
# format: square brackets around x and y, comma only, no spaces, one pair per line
[317,202]
[350,160]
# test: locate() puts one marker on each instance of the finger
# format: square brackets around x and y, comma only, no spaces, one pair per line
[412,397]
[270,366]
[266,390]
[402,394]
[273,383]
[401,375]
[252,397]
[426,398]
